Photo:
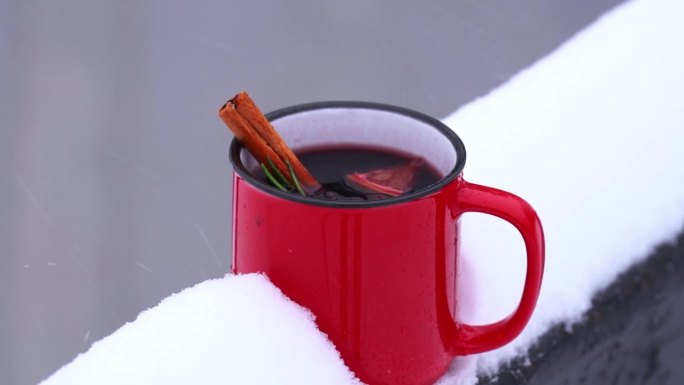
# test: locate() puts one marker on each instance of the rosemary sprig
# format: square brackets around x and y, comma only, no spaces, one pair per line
[279,175]
[279,181]
[294,179]
[272,179]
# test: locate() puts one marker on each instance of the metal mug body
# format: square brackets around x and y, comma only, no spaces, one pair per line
[380,277]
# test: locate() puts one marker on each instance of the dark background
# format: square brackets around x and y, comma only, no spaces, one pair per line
[114,180]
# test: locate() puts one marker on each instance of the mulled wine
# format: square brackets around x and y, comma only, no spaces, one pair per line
[364,173]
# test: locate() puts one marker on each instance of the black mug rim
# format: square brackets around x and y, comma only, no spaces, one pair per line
[236,147]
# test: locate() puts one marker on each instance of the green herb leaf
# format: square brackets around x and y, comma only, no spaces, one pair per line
[279,175]
[273,180]
[295,180]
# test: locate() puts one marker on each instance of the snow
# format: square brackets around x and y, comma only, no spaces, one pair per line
[234,330]
[591,136]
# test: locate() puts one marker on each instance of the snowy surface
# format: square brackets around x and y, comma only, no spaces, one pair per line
[591,136]
[235,330]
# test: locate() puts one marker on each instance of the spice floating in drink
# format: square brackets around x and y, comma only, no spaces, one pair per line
[393,181]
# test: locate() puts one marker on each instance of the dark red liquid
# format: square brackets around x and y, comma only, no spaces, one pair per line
[329,165]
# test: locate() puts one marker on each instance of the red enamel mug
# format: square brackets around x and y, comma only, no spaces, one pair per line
[379,276]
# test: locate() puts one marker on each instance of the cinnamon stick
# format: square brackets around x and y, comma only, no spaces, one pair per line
[246,134]
[246,107]
[257,134]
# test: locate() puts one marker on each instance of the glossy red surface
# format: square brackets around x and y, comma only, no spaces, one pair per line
[381,280]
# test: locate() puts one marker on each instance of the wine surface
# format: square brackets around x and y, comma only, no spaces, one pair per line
[330,164]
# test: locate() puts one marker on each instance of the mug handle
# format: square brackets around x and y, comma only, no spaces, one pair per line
[471,197]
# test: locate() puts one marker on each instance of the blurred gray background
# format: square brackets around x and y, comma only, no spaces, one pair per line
[114,180]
